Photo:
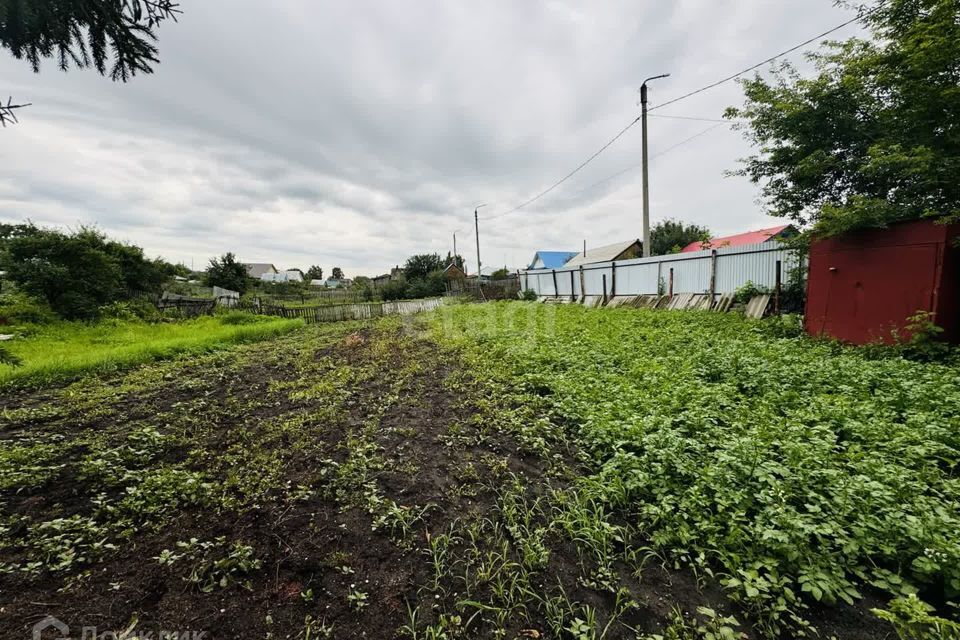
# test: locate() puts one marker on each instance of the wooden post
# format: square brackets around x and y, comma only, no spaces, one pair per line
[613,279]
[776,289]
[604,288]
[556,290]
[670,291]
[713,276]
[583,285]
[573,289]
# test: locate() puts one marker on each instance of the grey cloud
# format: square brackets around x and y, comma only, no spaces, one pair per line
[362,132]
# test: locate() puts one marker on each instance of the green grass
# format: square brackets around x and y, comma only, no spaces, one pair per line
[65,350]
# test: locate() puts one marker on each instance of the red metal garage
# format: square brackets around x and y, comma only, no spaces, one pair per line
[866,283]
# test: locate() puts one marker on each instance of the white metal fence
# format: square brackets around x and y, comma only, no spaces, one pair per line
[718,271]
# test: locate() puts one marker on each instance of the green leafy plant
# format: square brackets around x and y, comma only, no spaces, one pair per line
[913,619]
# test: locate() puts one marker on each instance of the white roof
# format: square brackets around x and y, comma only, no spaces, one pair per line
[286,276]
[605,253]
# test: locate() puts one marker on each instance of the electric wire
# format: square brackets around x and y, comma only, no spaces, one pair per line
[675,100]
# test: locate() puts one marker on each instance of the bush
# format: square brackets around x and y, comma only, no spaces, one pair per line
[432,285]
[20,308]
[529,294]
[748,291]
[76,273]
[788,325]
[131,311]
[395,290]
[8,358]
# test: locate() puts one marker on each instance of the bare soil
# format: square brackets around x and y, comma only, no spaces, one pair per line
[315,541]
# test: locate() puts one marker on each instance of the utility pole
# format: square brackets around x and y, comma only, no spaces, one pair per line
[455,249]
[476,228]
[646,178]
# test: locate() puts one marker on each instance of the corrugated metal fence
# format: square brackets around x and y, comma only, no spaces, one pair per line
[719,270]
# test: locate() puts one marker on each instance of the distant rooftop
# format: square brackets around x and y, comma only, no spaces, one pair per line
[550,259]
[606,253]
[750,237]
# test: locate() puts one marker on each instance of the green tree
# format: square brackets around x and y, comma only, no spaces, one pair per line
[226,272]
[72,272]
[113,36]
[337,273]
[457,260]
[500,274]
[874,136]
[395,289]
[419,266]
[314,273]
[670,236]
[76,273]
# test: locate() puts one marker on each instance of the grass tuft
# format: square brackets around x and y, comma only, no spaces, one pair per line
[66,350]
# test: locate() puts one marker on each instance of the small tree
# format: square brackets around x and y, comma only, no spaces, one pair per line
[874,136]
[419,266]
[457,260]
[670,236]
[227,273]
[314,273]
[337,273]
[500,274]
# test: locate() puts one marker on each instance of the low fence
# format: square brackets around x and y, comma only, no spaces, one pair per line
[324,296]
[184,306]
[363,311]
[712,272]
[504,289]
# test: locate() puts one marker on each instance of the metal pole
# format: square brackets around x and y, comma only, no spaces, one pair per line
[455,249]
[476,229]
[646,168]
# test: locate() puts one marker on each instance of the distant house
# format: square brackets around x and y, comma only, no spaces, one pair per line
[550,259]
[759,236]
[395,274]
[486,273]
[283,276]
[257,269]
[607,253]
[318,283]
[338,283]
[453,272]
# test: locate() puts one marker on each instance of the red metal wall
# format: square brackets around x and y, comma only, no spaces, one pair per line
[864,284]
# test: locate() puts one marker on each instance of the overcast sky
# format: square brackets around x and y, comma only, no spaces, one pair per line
[353,134]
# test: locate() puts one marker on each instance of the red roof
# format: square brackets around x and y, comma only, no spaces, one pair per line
[751,237]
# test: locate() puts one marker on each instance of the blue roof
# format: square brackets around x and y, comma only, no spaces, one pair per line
[552,259]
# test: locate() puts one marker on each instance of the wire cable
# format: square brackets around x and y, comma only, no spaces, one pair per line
[568,176]
[656,155]
[660,115]
[856,18]
[678,99]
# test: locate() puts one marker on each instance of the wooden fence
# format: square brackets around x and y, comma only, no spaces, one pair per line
[363,311]
[186,307]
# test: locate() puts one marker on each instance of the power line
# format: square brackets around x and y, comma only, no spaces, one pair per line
[656,155]
[659,115]
[770,59]
[569,175]
[678,99]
